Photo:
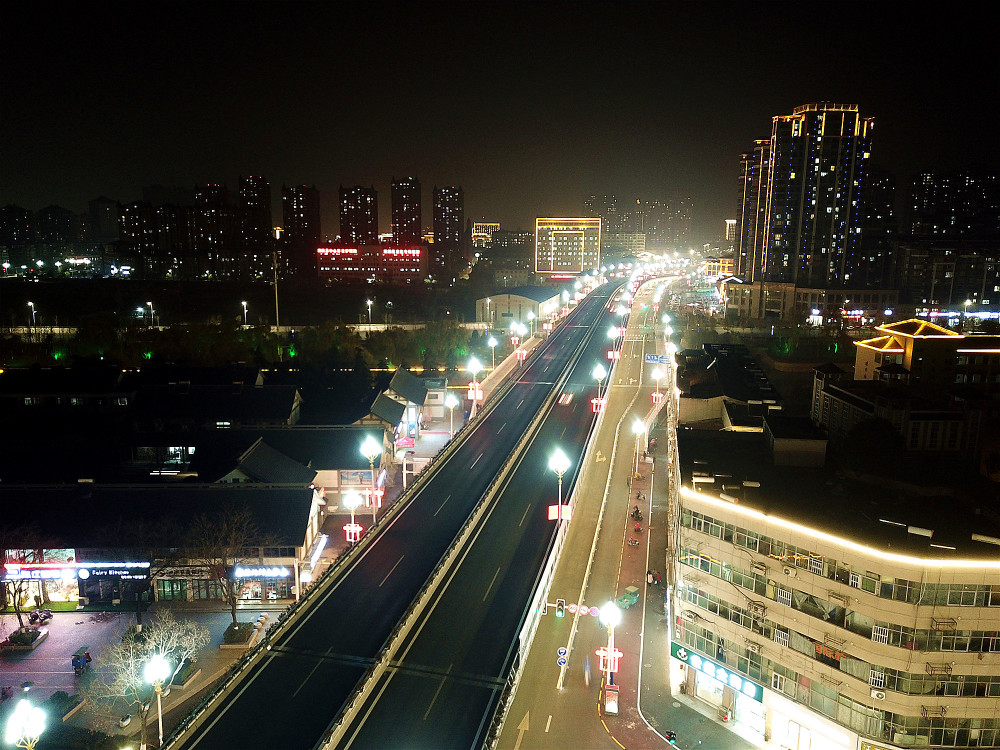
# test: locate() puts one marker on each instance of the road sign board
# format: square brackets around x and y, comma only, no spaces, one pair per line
[561,661]
[657,359]
[561,651]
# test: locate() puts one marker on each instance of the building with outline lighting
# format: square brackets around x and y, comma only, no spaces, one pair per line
[376,264]
[824,612]
[567,247]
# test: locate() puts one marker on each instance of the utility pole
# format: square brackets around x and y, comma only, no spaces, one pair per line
[277,319]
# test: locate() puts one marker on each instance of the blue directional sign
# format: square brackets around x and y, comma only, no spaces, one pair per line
[561,651]
[561,661]
[657,359]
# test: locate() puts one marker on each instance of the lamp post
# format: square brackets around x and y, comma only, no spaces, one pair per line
[656,375]
[244,303]
[610,616]
[32,306]
[638,428]
[369,303]
[492,344]
[489,321]
[351,501]
[531,322]
[474,366]
[156,671]
[559,463]
[150,314]
[371,450]
[451,402]
[26,723]
[599,374]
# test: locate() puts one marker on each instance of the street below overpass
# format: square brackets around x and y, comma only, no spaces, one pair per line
[290,692]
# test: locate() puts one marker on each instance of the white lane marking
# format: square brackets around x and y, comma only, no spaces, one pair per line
[548,723]
[477,460]
[525,515]
[393,568]
[308,676]
[442,505]
[519,404]
[501,428]
[437,693]
[488,588]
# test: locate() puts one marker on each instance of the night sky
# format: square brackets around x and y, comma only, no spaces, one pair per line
[529,106]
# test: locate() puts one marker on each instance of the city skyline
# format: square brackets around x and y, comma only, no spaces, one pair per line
[660,103]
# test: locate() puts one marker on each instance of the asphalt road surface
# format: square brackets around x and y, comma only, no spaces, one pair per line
[444,689]
[290,697]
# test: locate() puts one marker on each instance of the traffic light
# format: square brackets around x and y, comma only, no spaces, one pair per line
[671,737]
[560,607]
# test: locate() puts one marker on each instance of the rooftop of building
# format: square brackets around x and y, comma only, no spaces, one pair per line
[91,515]
[878,513]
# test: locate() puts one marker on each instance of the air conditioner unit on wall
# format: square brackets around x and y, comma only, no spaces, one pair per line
[753,648]
[788,571]
[878,695]
[759,568]
[757,609]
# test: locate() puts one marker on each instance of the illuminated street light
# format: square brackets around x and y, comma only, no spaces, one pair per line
[32,306]
[559,463]
[369,303]
[155,672]
[492,344]
[531,322]
[638,428]
[599,374]
[26,723]
[610,616]
[150,314]
[656,375]
[451,402]
[351,501]
[244,303]
[371,450]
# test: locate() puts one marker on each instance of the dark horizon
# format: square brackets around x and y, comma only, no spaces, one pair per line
[529,107]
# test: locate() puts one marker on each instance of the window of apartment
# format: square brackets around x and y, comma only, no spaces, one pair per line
[783,596]
[880,634]
[780,636]
[778,682]
[855,580]
[876,678]
[816,565]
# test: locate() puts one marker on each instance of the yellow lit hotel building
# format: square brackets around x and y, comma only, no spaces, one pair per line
[824,612]
[567,247]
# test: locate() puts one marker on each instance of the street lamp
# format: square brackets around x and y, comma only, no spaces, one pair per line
[638,428]
[244,312]
[369,303]
[599,374]
[26,723]
[352,500]
[656,375]
[156,671]
[531,322]
[451,402]
[610,616]
[489,322]
[32,306]
[559,463]
[371,450]
[150,314]
[492,344]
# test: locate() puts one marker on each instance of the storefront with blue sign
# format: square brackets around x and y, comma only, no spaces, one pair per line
[734,696]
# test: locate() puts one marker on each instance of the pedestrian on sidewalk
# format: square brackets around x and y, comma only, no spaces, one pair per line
[649,577]
[656,577]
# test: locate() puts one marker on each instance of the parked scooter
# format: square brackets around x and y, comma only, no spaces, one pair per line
[39,616]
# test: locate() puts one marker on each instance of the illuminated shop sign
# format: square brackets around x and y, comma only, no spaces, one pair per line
[64,571]
[262,572]
[722,674]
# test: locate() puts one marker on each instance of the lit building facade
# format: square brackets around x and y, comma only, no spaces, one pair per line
[482,232]
[407,228]
[358,215]
[826,617]
[567,247]
[300,210]
[447,257]
[375,264]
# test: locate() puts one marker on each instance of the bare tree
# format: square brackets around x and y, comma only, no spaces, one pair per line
[222,542]
[121,679]
[18,545]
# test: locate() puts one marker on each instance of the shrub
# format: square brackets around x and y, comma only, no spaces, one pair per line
[238,633]
[24,637]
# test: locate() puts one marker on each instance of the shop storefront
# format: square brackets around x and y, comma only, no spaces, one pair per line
[735,697]
[84,582]
[796,728]
[265,583]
